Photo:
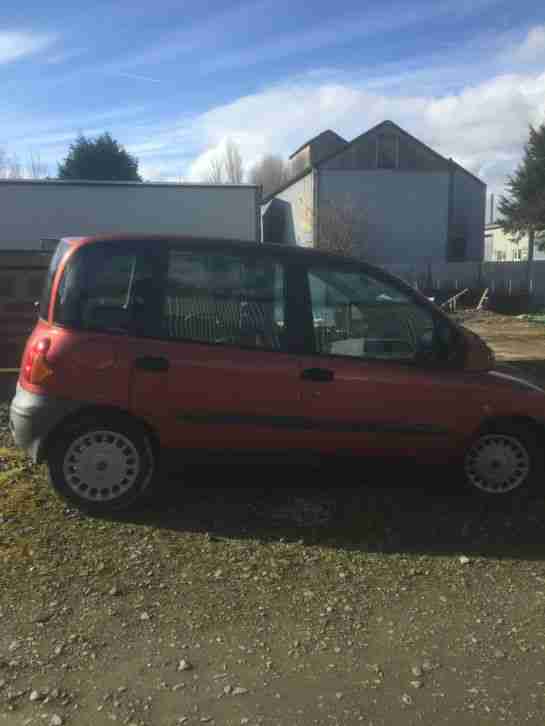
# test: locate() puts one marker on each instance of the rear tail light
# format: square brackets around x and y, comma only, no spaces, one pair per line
[35,368]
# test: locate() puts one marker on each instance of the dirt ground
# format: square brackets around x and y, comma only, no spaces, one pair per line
[369,595]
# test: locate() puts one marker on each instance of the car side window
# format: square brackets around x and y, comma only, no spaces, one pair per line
[357,315]
[224,298]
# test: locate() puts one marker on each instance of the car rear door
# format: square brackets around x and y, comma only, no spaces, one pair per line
[214,367]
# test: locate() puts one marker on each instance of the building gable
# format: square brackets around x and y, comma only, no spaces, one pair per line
[320,147]
[386,146]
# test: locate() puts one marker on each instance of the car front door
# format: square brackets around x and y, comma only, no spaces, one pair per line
[214,368]
[377,381]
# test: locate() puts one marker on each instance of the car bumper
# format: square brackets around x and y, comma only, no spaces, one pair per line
[32,418]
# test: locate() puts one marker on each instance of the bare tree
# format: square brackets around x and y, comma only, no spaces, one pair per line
[226,168]
[342,229]
[234,171]
[10,167]
[37,169]
[271,173]
[214,174]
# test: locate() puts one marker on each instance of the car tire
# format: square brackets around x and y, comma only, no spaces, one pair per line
[101,464]
[504,460]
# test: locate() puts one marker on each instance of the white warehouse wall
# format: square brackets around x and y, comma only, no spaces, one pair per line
[30,211]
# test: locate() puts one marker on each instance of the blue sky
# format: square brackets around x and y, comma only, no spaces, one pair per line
[173,80]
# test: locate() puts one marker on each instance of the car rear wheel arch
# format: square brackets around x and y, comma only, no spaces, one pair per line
[100,413]
[102,460]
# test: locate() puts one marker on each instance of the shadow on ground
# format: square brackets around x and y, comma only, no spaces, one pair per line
[396,509]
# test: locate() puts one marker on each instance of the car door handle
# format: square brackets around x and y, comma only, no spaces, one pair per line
[156,364]
[320,375]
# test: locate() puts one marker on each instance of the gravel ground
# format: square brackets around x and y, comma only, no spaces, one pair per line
[397,599]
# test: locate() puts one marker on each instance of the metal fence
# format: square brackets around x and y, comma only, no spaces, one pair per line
[504,278]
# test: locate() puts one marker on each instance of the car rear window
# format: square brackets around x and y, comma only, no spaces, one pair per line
[53,267]
[95,289]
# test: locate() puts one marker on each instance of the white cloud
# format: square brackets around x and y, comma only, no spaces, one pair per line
[16,45]
[532,49]
[159,172]
[483,126]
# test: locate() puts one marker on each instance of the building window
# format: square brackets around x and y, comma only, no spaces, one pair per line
[488,247]
[501,256]
[387,151]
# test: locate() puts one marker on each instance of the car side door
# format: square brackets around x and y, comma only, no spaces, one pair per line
[217,369]
[378,380]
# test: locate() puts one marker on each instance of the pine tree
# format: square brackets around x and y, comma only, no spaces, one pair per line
[523,210]
[101,159]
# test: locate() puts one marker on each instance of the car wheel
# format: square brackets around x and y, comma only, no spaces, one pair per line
[101,465]
[503,461]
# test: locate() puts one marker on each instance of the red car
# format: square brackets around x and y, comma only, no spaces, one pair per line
[154,343]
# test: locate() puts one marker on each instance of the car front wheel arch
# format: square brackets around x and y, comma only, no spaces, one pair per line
[505,456]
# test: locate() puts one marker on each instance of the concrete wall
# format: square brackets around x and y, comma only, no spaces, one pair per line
[404,215]
[295,205]
[468,210]
[31,211]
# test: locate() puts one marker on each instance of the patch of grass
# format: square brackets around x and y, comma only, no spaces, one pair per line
[10,474]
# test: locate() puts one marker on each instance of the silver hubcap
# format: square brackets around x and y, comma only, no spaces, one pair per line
[497,463]
[101,465]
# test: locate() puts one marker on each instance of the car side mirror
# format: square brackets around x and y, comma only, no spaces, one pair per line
[477,355]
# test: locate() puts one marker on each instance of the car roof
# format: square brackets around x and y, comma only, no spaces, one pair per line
[281,250]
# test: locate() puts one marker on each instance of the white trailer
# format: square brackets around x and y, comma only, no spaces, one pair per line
[36,210]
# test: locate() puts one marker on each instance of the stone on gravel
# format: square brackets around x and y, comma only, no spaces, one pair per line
[499,653]
[34,696]
[416,671]
[185,665]
[407,700]
[416,684]
[463,560]
[144,616]
[114,591]
[239,691]
[56,720]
